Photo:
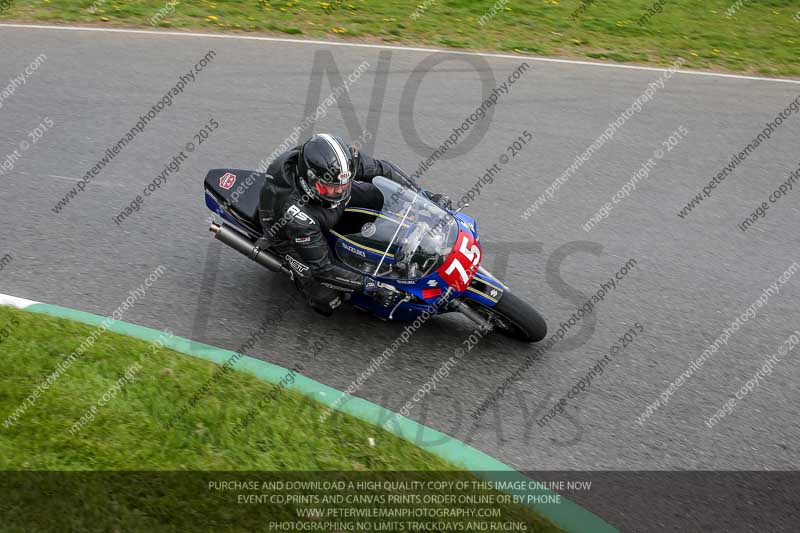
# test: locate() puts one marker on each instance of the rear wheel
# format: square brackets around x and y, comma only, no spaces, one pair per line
[514,318]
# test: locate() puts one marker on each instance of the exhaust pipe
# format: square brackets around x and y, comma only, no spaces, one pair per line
[247,247]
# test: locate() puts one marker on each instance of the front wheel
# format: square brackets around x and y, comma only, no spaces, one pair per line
[514,318]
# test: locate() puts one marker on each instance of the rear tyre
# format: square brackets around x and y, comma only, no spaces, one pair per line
[514,318]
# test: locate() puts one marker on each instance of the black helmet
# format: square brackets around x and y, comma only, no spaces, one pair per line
[325,168]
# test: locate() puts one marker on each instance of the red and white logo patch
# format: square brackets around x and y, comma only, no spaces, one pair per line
[227,180]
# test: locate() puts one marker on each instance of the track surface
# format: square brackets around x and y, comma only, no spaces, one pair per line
[694,276]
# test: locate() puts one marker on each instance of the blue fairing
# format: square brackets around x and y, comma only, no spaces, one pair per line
[485,289]
[468,224]
[419,288]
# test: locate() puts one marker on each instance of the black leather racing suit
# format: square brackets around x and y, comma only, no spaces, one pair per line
[295,227]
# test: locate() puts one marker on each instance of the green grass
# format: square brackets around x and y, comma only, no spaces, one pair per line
[761,37]
[130,433]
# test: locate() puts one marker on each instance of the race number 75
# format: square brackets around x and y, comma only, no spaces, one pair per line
[467,257]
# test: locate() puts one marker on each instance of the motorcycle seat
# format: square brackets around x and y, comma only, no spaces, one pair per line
[237,190]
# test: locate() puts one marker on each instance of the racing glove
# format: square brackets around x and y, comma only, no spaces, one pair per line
[375,287]
[383,293]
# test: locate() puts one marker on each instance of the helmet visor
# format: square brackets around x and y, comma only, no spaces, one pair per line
[332,191]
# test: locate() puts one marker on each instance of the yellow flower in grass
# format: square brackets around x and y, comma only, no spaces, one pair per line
[105,19]
[715,51]
[212,18]
[694,54]
[338,30]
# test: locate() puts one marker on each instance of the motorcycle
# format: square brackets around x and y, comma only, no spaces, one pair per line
[426,258]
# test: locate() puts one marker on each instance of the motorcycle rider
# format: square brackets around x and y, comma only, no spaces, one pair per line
[307,190]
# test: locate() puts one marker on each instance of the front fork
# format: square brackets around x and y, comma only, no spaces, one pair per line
[485,290]
[482,322]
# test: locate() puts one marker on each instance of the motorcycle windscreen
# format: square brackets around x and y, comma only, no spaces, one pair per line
[408,239]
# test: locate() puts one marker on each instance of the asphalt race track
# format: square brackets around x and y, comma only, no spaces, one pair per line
[692,276]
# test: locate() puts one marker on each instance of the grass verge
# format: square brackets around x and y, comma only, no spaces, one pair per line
[734,35]
[129,432]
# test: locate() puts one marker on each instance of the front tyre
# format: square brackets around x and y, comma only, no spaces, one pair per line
[514,318]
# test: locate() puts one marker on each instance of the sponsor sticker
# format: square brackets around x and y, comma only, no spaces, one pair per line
[368,229]
[227,180]
[353,250]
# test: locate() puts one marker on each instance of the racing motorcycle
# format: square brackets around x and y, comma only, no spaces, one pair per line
[426,258]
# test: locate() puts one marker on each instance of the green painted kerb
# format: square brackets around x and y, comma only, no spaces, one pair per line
[566,515]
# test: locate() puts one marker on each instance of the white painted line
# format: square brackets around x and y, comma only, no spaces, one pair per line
[78,179]
[67,178]
[13,301]
[394,47]
[61,177]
